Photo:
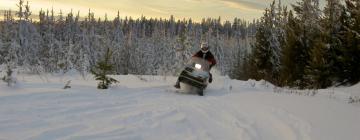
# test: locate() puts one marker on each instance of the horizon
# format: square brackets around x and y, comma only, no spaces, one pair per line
[196,10]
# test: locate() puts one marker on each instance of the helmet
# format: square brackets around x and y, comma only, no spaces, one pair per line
[204,47]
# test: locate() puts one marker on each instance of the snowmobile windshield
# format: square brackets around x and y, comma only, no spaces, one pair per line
[205,65]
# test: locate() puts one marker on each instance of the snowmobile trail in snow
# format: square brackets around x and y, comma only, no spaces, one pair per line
[41,111]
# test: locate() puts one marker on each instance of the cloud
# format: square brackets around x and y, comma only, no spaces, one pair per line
[244,5]
[195,9]
[157,10]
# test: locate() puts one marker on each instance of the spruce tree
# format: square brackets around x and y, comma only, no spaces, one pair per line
[270,39]
[350,38]
[291,68]
[260,52]
[308,15]
[102,69]
[332,29]
[318,70]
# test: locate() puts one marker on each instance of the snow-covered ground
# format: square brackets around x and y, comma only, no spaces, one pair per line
[147,107]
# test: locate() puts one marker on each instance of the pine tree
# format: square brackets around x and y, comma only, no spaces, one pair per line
[117,42]
[350,38]
[317,72]
[318,69]
[270,36]
[308,14]
[260,51]
[277,21]
[102,69]
[291,60]
[332,25]
[20,13]
[28,39]
[8,48]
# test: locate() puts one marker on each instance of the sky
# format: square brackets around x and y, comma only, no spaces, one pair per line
[194,9]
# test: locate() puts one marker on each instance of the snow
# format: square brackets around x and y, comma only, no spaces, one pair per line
[147,107]
[353,90]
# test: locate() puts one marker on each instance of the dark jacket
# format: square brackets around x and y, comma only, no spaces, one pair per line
[208,56]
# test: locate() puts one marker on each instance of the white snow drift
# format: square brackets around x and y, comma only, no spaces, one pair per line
[147,107]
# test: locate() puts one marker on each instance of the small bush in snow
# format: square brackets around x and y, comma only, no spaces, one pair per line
[9,78]
[67,85]
[354,99]
[102,69]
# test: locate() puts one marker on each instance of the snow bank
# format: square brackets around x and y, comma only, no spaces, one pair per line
[147,107]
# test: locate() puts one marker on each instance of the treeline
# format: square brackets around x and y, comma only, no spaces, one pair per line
[62,42]
[304,47]
[308,47]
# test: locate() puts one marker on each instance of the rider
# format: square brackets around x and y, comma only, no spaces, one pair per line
[204,53]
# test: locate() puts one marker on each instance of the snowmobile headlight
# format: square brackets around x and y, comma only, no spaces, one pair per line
[198,66]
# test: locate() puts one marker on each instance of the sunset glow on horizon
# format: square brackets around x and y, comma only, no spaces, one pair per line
[194,9]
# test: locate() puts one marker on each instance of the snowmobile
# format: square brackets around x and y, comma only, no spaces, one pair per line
[196,75]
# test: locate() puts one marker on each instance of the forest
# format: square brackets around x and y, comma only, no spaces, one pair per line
[302,45]
[146,46]
[309,46]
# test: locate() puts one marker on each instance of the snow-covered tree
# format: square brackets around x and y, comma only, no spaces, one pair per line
[63,42]
[28,39]
[9,77]
[117,42]
[270,37]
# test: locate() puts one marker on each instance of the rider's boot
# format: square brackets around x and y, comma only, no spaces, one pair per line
[177,84]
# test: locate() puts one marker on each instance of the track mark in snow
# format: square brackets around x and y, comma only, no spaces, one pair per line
[58,133]
[302,127]
[278,124]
